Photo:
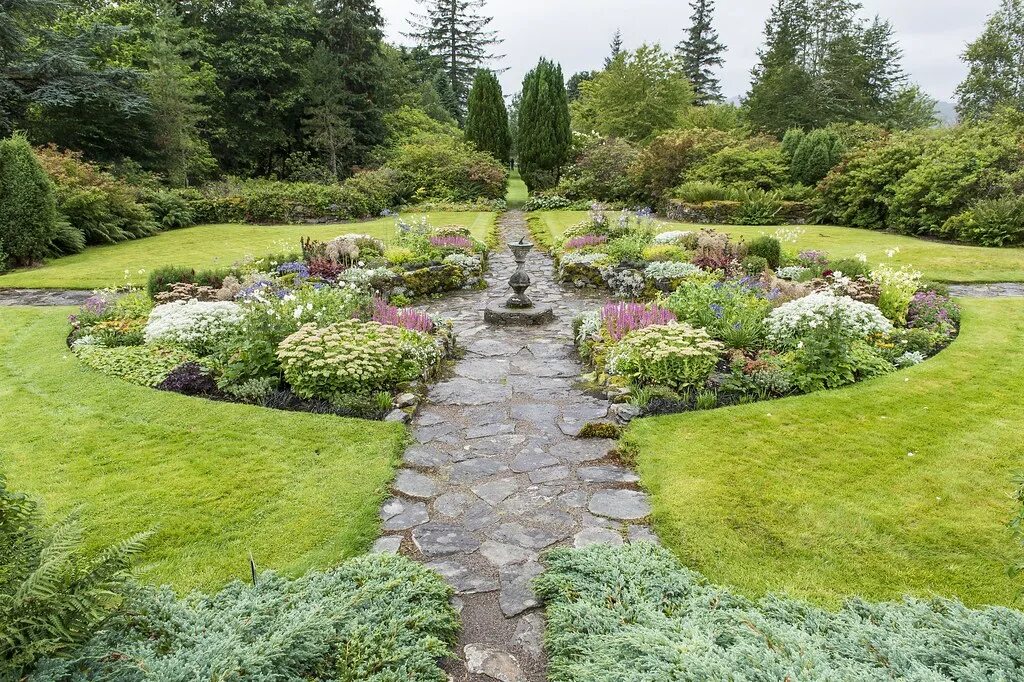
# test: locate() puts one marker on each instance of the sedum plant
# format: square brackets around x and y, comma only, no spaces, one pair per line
[674,355]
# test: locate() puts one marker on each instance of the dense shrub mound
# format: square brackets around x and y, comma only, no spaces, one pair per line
[376,618]
[635,613]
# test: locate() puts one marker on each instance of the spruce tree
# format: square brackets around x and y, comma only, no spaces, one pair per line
[28,208]
[458,35]
[700,52]
[544,134]
[615,48]
[996,65]
[487,117]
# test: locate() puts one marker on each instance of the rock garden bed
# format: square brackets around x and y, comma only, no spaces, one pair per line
[322,331]
[702,321]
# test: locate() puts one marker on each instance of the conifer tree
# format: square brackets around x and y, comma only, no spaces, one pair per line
[615,47]
[544,134]
[458,35]
[996,65]
[28,207]
[700,52]
[487,117]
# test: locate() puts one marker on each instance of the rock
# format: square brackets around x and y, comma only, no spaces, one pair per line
[624,413]
[468,392]
[406,400]
[596,536]
[501,554]
[398,416]
[489,430]
[415,484]
[424,457]
[410,516]
[390,544]
[516,593]
[476,469]
[529,635]
[607,474]
[483,659]
[556,473]
[495,492]
[627,505]
[579,451]
[438,539]
[642,534]
[453,504]
[531,461]
[464,579]
[523,536]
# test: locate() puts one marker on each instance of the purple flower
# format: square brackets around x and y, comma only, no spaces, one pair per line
[619,319]
[813,257]
[96,304]
[585,241]
[718,310]
[407,318]
[299,269]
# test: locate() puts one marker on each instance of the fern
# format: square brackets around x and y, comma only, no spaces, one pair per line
[53,596]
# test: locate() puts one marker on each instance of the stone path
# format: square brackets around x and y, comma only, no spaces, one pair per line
[986,290]
[496,474]
[43,297]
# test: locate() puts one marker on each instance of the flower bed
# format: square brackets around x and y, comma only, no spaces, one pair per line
[316,332]
[721,323]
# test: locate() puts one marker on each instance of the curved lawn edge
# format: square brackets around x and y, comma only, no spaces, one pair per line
[899,485]
[215,480]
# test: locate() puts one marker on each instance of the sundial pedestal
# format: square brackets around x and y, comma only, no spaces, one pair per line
[519,309]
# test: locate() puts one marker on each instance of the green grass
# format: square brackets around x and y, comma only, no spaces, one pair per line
[939,261]
[819,496]
[215,480]
[205,246]
[517,192]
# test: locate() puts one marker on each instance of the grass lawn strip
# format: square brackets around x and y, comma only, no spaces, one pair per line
[939,261]
[216,481]
[900,485]
[207,246]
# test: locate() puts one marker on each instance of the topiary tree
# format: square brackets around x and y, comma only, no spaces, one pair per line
[487,119]
[28,209]
[544,134]
[768,248]
[790,141]
[818,152]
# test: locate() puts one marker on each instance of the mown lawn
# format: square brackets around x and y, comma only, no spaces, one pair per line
[900,485]
[206,246]
[940,262]
[517,193]
[215,481]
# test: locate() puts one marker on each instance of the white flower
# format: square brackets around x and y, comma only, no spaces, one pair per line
[891,253]
[671,237]
[670,270]
[862,257]
[195,325]
[793,273]
[788,323]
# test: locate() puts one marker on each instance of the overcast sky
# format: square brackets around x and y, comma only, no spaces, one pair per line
[577,32]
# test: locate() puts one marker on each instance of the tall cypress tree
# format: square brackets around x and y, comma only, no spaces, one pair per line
[487,117]
[700,52]
[544,134]
[458,35]
[996,65]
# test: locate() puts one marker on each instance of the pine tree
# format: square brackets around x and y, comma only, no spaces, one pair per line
[996,65]
[458,35]
[326,123]
[573,88]
[616,48]
[175,111]
[700,52]
[544,134]
[344,100]
[487,117]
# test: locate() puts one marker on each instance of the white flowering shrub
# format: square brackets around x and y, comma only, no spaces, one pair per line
[793,273]
[194,325]
[353,357]
[788,323]
[588,259]
[364,279]
[588,327]
[672,237]
[675,355]
[670,269]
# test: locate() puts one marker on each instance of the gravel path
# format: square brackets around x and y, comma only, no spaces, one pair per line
[496,474]
[986,290]
[43,297]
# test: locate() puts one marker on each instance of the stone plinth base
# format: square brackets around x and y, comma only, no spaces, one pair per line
[497,314]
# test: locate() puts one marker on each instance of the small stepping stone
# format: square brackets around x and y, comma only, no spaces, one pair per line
[438,539]
[642,534]
[424,457]
[476,470]
[608,474]
[489,430]
[464,579]
[517,594]
[501,554]
[556,473]
[529,635]
[387,545]
[580,451]
[529,537]
[536,414]
[626,505]
[453,505]
[495,492]
[484,659]
[415,484]
[531,461]
[412,515]
[469,392]
[596,536]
